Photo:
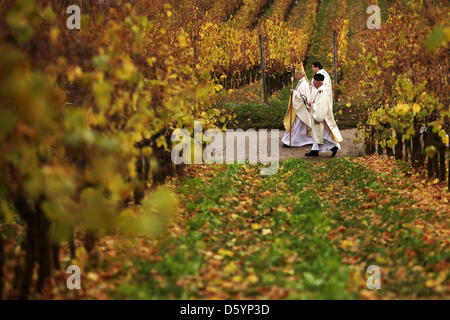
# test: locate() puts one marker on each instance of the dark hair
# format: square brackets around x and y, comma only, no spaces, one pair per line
[317,64]
[319,77]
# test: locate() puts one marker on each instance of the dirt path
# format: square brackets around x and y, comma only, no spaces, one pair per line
[349,147]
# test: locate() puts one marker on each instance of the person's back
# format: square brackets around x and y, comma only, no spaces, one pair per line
[318,69]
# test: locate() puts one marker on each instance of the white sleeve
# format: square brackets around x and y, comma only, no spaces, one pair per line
[297,98]
[320,107]
[306,91]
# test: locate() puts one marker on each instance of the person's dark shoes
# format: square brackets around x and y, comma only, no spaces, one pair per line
[286,146]
[334,150]
[312,153]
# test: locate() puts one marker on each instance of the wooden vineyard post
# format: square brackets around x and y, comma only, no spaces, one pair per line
[262,69]
[399,148]
[442,169]
[335,60]
[195,49]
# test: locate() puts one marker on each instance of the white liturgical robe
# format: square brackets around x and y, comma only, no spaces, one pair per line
[326,82]
[299,133]
[324,129]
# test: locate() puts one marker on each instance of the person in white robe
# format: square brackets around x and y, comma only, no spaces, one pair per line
[324,129]
[318,69]
[300,133]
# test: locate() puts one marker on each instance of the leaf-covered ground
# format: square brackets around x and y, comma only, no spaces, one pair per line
[308,232]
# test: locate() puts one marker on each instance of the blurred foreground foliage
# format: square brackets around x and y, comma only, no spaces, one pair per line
[85,123]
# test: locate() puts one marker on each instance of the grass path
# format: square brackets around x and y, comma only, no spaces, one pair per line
[308,232]
[322,40]
[357,18]
[322,44]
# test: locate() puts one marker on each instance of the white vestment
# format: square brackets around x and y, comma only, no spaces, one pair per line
[326,81]
[328,142]
[324,138]
[298,136]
